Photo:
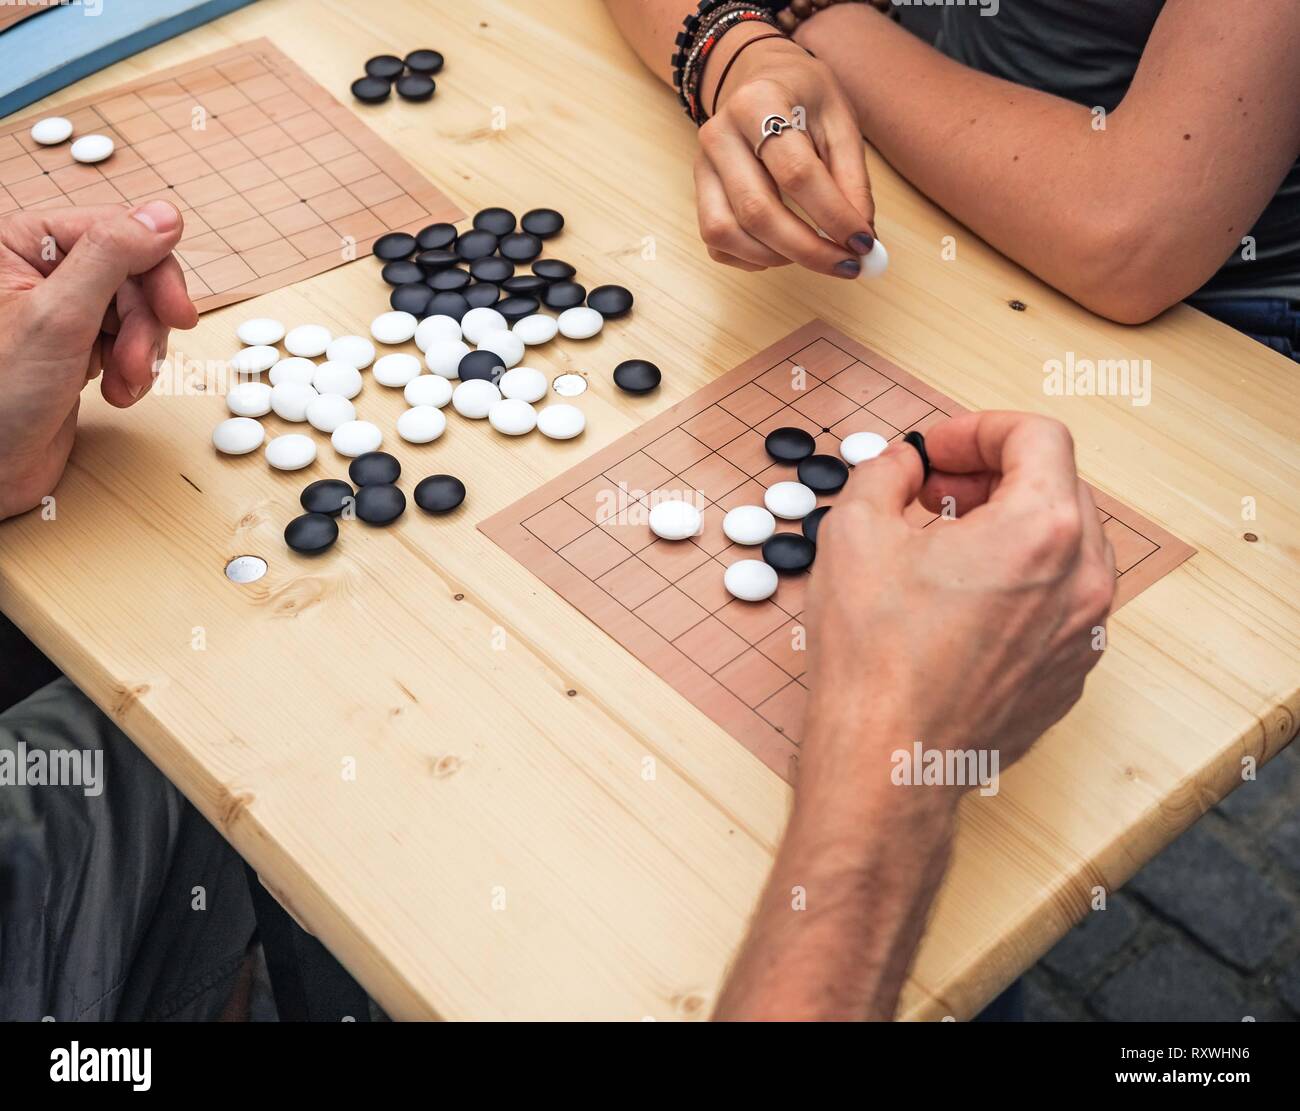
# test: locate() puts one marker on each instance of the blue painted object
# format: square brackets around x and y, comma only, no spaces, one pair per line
[63,44]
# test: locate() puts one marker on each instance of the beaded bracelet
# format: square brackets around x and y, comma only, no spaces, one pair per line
[701,32]
[789,15]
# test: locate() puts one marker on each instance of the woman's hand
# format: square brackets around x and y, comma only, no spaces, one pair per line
[82,290]
[743,219]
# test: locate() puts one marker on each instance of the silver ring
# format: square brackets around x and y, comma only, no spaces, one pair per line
[772,125]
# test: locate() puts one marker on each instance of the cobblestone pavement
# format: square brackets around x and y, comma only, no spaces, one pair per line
[1209,929]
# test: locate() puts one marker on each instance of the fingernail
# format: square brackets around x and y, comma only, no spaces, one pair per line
[157,216]
[862,242]
[849,268]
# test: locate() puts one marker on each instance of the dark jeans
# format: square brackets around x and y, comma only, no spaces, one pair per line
[1267,320]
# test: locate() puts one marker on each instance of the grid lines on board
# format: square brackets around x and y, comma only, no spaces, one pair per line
[585,533]
[276,180]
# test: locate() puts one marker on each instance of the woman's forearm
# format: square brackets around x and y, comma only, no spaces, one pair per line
[650,27]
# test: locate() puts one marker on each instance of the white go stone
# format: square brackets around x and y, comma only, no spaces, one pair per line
[326,411]
[238,436]
[293,369]
[580,322]
[290,400]
[428,389]
[336,377]
[875,262]
[512,417]
[254,360]
[444,355]
[561,422]
[356,437]
[535,329]
[748,525]
[260,330]
[51,130]
[291,452]
[523,383]
[507,346]
[393,327]
[675,520]
[475,398]
[308,340]
[249,399]
[421,425]
[92,148]
[858,447]
[397,370]
[750,580]
[356,351]
[478,323]
[791,501]
[570,385]
[435,328]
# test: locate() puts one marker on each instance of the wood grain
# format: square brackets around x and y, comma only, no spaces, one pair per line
[501,850]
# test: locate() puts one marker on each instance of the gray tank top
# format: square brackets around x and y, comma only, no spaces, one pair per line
[1087,51]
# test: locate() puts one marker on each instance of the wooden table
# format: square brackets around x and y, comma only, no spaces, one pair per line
[437,765]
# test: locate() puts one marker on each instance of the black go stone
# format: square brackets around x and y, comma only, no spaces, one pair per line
[436,259]
[481,364]
[553,270]
[451,278]
[515,308]
[439,493]
[326,495]
[499,221]
[424,61]
[482,295]
[564,295]
[824,474]
[542,222]
[371,90]
[637,376]
[381,504]
[525,285]
[789,445]
[476,244]
[401,271]
[436,237]
[412,297]
[394,245]
[611,301]
[385,66]
[813,521]
[492,269]
[311,533]
[450,303]
[374,468]
[520,247]
[789,553]
[415,87]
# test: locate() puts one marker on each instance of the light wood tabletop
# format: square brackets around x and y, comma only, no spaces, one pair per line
[479,802]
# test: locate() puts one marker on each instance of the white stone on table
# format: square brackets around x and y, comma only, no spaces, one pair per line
[435,328]
[326,411]
[748,525]
[444,355]
[249,399]
[791,501]
[580,322]
[293,369]
[308,340]
[393,327]
[290,400]
[512,417]
[535,329]
[238,436]
[478,323]
[421,424]
[260,330]
[561,422]
[397,370]
[750,580]
[291,452]
[254,360]
[356,437]
[474,398]
[333,376]
[523,383]
[428,389]
[507,346]
[356,351]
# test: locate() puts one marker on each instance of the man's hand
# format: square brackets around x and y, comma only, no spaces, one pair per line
[82,290]
[975,633]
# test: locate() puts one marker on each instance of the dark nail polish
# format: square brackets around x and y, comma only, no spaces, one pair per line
[849,268]
[862,242]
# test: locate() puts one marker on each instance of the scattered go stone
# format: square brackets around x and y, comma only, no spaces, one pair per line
[374,468]
[51,131]
[238,436]
[512,417]
[353,351]
[580,322]
[395,245]
[291,452]
[812,522]
[492,268]
[416,87]
[414,297]
[482,295]
[436,237]
[611,301]
[334,377]
[289,400]
[507,346]
[311,533]
[517,307]
[326,495]
[675,520]
[444,355]
[789,445]
[397,370]
[394,327]
[380,504]
[570,385]
[791,501]
[435,328]
[356,437]
[387,67]
[858,447]
[542,222]
[92,148]
[293,369]
[451,278]
[823,474]
[427,389]
[537,328]
[249,399]
[422,424]
[523,383]
[476,244]
[750,580]
[564,295]
[327,411]
[525,285]
[448,304]
[260,331]
[481,364]
[371,90]
[477,324]
[308,340]
[637,376]
[401,271]
[789,553]
[254,360]
[553,270]
[473,399]
[435,259]
[520,247]
[424,61]
[561,422]
[439,493]
[498,221]
[748,525]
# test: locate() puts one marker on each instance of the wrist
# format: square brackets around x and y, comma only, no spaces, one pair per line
[831,22]
[734,60]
